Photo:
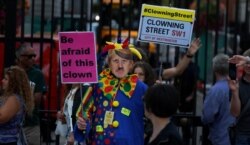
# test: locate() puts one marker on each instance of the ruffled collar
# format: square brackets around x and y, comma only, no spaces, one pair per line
[109,84]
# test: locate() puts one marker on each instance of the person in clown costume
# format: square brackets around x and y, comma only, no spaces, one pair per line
[112,110]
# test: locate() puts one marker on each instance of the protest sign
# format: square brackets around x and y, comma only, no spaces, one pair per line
[168,25]
[78,57]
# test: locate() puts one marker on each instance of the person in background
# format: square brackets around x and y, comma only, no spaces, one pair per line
[186,84]
[15,102]
[25,58]
[65,114]
[216,108]
[240,96]
[161,102]
[71,104]
[145,72]
[112,109]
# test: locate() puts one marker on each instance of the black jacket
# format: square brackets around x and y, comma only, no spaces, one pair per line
[168,136]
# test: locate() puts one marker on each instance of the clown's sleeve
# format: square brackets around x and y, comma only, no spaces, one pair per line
[85,111]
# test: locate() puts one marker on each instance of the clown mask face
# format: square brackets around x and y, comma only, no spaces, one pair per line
[120,66]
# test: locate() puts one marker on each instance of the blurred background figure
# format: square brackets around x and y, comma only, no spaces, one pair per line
[186,84]
[67,113]
[15,102]
[161,102]
[240,107]
[144,72]
[25,58]
[216,109]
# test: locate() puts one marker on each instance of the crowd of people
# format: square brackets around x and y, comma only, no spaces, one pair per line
[129,105]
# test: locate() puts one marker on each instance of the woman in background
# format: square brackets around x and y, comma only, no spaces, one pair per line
[145,72]
[15,102]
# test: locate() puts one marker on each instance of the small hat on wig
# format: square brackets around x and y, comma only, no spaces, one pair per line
[124,45]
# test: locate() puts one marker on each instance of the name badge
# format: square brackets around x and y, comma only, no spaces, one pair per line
[109,117]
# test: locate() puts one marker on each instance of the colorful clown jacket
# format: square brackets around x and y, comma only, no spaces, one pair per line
[114,110]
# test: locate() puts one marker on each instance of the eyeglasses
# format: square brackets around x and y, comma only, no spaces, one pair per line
[29,56]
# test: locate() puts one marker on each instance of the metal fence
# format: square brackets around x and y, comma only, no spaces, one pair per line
[222,25]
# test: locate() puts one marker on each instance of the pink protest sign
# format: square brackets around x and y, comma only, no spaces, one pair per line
[78,57]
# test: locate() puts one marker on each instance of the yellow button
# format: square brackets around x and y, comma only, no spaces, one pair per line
[115,124]
[115,103]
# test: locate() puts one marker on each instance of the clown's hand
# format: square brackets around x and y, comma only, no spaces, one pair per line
[81,123]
